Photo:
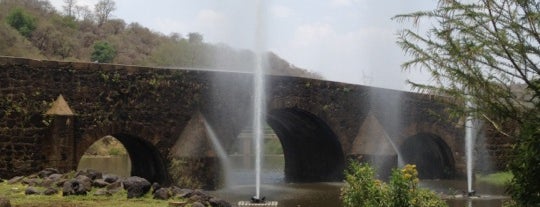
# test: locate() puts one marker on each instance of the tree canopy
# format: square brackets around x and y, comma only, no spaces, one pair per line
[486,52]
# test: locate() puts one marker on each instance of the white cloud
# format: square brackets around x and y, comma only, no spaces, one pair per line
[280,11]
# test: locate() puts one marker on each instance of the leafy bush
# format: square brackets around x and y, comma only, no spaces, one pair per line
[21,21]
[363,189]
[524,186]
[103,52]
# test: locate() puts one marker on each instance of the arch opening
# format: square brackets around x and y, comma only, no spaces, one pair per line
[431,155]
[107,155]
[144,159]
[311,149]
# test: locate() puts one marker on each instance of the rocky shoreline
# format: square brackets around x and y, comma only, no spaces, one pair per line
[81,183]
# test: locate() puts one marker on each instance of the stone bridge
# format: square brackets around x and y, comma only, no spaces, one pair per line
[159,115]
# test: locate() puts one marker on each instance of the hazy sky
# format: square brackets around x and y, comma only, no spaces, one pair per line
[344,40]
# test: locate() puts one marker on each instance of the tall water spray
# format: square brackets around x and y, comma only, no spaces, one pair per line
[469,140]
[259,98]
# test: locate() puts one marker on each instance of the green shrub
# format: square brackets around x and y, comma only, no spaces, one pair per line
[524,186]
[103,52]
[21,21]
[363,189]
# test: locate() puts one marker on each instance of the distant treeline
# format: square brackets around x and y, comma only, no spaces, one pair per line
[35,29]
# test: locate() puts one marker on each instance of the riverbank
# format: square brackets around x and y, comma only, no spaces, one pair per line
[92,188]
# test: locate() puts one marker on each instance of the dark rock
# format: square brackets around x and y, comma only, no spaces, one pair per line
[55,177]
[86,181]
[102,192]
[46,172]
[4,202]
[60,183]
[110,178]
[74,187]
[50,191]
[100,183]
[201,194]
[15,180]
[31,191]
[47,183]
[136,186]
[162,194]
[181,192]
[114,187]
[197,204]
[155,186]
[32,181]
[94,174]
[216,202]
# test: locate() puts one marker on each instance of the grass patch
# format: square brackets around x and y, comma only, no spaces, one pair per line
[499,178]
[15,193]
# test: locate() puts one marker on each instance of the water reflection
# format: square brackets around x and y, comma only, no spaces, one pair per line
[303,194]
[119,164]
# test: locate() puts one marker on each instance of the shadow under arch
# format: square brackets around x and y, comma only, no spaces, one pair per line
[146,161]
[312,150]
[431,155]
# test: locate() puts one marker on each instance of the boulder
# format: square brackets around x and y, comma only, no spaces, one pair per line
[114,187]
[155,186]
[94,174]
[32,181]
[110,178]
[74,187]
[162,194]
[216,202]
[15,180]
[46,172]
[50,191]
[197,204]
[136,187]
[181,192]
[31,191]
[86,181]
[100,183]
[55,177]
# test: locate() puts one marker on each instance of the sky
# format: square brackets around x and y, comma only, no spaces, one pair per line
[351,41]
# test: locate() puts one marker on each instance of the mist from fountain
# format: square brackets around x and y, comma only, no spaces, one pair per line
[221,153]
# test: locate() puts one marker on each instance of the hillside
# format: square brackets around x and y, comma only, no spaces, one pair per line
[34,29]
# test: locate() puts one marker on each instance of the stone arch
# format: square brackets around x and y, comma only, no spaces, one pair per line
[312,150]
[431,155]
[146,160]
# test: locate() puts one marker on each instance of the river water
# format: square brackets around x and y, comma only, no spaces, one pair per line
[303,194]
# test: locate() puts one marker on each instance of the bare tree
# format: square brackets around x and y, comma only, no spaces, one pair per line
[103,10]
[69,7]
[83,13]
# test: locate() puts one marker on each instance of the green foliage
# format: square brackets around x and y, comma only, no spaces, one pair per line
[363,189]
[524,187]
[21,21]
[486,52]
[103,52]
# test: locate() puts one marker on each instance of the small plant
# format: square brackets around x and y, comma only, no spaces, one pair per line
[363,189]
